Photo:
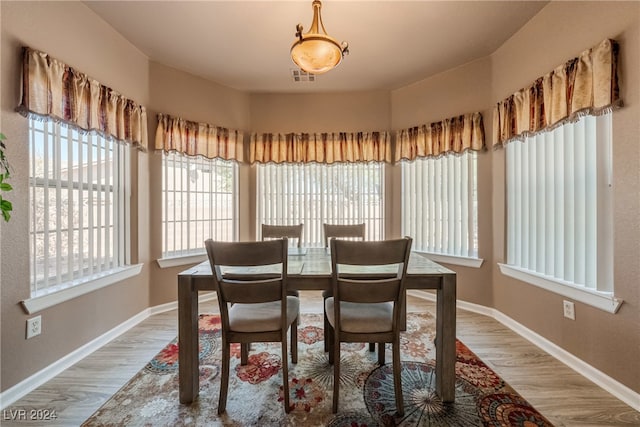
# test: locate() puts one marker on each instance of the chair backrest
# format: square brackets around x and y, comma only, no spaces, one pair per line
[279,231]
[248,272]
[341,231]
[371,271]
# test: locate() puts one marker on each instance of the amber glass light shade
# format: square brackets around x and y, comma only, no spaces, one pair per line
[315,52]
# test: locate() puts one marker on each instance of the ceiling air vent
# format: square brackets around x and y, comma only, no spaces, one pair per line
[302,76]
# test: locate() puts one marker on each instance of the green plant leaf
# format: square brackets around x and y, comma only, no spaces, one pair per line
[6,207]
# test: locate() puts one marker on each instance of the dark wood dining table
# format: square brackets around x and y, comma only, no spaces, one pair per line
[310,269]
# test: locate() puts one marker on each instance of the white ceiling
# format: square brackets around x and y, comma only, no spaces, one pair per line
[245,44]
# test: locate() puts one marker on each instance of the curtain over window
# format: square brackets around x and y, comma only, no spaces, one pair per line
[439,184]
[587,84]
[452,135]
[199,184]
[198,139]
[56,91]
[319,178]
[325,148]
[558,137]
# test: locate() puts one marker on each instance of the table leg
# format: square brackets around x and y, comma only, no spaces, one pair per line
[446,339]
[188,348]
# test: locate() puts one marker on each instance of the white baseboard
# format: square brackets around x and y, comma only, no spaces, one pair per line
[11,395]
[604,381]
[619,390]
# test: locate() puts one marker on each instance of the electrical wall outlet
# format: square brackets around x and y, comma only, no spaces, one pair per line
[569,310]
[34,326]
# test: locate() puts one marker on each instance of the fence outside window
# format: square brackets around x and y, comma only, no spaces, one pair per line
[199,201]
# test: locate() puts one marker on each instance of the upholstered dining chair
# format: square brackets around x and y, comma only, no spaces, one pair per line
[366,308]
[340,231]
[279,231]
[254,306]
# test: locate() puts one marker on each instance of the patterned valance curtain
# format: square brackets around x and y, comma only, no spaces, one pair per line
[325,148]
[587,84]
[198,139]
[453,135]
[53,89]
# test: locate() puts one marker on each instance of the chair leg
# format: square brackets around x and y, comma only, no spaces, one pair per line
[381,351]
[327,339]
[294,341]
[397,376]
[326,330]
[244,353]
[336,372]
[285,375]
[330,343]
[224,378]
[372,347]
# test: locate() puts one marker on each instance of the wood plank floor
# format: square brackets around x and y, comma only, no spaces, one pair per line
[559,393]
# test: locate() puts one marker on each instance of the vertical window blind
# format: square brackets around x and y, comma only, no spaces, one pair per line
[559,203]
[199,201]
[439,204]
[314,194]
[79,191]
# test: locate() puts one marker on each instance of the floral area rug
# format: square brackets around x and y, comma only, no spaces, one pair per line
[366,389]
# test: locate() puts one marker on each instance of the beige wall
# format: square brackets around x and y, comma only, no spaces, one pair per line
[609,342]
[326,112]
[70,32]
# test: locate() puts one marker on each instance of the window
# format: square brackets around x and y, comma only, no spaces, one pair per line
[559,212]
[440,204]
[199,201]
[314,194]
[79,192]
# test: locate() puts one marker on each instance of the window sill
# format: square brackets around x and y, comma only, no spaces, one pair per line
[39,303]
[602,300]
[453,259]
[181,260]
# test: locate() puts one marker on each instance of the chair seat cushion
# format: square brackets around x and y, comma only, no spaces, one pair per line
[262,317]
[361,318]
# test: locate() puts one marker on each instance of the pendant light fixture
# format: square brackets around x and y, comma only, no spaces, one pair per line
[316,52]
